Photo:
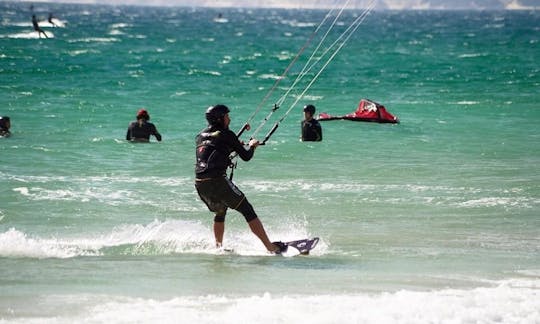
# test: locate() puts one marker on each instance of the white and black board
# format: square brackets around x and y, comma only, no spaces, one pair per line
[300,247]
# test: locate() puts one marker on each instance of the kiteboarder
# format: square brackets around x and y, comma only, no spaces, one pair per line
[51,20]
[311,128]
[141,129]
[37,28]
[215,143]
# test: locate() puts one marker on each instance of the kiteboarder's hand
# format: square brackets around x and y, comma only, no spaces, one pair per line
[253,143]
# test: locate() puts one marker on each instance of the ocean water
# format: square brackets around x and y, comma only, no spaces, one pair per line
[433,220]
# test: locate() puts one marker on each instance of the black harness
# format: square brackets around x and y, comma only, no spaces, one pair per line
[212,158]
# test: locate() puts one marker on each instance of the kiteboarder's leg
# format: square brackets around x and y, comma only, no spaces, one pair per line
[219,229]
[258,229]
[255,224]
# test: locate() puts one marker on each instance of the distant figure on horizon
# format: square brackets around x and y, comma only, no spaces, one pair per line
[5,125]
[141,129]
[51,20]
[37,28]
[220,19]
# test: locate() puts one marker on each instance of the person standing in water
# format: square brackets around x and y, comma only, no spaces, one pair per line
[215,143]
[141,129]
[37,28]
[311,128]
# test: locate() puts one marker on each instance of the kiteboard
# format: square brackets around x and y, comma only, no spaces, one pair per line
[299,247]
[288,249]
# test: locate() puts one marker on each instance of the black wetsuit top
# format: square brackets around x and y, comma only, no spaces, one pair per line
[142,132]
[311,130]
[214,146]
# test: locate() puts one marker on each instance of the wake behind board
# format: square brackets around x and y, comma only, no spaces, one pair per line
[300,247]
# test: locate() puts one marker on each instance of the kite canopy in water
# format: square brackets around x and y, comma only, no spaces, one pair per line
[368,111]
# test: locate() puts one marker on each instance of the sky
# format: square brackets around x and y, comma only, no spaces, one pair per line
[302,4]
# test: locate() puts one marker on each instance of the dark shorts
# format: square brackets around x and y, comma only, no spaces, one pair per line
[219,194]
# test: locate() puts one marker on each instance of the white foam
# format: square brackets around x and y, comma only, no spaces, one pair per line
[221,20]
[498,201]
[22,190]
[311,97]
[197,71]
[510,301]
[155,238]
[94,40]
[269,76]
[14,243]
[294,23]
[165,237]
[82,51]
[468,103]
[116,32]
[472,55]
[112,197]
[28,35]
[120,25]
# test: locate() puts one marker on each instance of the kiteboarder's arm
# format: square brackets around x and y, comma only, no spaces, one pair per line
[237,146]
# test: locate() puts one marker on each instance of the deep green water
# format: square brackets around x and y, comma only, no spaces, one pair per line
[434,219]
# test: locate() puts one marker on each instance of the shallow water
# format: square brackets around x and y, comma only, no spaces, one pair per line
[431,220]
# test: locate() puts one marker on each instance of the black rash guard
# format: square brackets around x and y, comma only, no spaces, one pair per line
[214,146]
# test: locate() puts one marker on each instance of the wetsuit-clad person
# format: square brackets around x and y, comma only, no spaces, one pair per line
[215,143]
[141,129]
[5,125]
[311,128]
[37,28]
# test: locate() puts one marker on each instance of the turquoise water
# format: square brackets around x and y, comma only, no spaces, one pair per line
[433,220]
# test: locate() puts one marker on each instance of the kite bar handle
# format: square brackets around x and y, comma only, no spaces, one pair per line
[246,127]
[274,128]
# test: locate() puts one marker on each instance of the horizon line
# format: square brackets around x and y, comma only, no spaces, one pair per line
[513,5]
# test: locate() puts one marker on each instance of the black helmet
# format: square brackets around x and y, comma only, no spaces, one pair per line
[215,114]
[310,109]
